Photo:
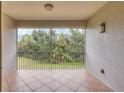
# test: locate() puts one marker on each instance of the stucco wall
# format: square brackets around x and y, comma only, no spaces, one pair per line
[106,50]
[50,23]
[8,45]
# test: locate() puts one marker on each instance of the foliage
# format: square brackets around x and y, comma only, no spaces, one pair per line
[58,48]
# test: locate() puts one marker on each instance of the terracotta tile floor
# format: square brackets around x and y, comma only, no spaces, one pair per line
[53,81]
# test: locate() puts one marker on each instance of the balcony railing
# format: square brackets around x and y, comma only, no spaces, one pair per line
[47,60]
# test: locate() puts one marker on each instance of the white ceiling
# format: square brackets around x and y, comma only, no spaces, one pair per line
[63,10]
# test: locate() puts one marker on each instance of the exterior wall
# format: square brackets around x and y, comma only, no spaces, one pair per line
[8,45]
[50,23]
[106,50]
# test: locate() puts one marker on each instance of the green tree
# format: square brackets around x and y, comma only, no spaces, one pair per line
[59,50]
[25,43]
[61,47]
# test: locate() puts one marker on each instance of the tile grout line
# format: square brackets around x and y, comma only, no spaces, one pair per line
[42,83]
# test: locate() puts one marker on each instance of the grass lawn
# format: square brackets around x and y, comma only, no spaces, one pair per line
[27,63]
